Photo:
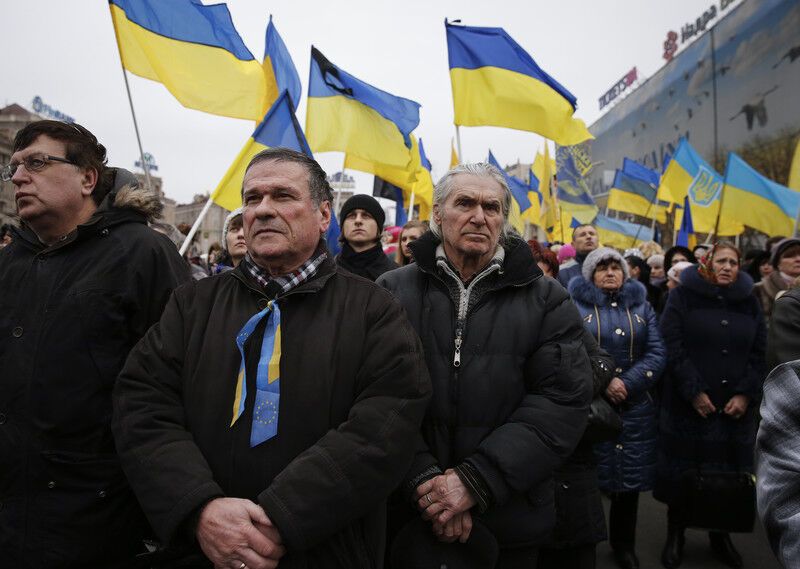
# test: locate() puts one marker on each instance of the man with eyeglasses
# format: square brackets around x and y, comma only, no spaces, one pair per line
[82,280]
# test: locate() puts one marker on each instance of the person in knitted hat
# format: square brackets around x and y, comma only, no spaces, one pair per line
[615,311]
[362,224]
[234,247]
[786,262]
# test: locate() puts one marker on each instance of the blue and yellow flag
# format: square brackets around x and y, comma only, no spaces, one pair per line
[279,69]
[519,193]
[414,177]
[686,236]
[688,174]
[634,191]
[279,128]
[195,51]
[621,234]
[496,83]
[347,115]
[572,191]
[757,201]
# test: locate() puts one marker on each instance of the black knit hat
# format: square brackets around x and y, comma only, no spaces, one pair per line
[780,248]
[368,204]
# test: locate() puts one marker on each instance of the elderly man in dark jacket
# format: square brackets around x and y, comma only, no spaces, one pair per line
[511,379]
[290,443]
[80,284]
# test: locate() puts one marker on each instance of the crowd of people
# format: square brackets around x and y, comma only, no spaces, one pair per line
[463,400]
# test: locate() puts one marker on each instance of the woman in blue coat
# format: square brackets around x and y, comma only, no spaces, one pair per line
[715,336]
[615,310]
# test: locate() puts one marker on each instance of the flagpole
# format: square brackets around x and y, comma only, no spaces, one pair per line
[339,190]
[458,143]
[411,206]
[145,166]
[196,226]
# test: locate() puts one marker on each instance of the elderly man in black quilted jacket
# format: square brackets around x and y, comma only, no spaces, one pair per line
[511,379]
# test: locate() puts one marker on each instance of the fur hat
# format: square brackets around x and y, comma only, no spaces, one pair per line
[226,225]
[674,272]
[368,204]
[780,248]
[598,256]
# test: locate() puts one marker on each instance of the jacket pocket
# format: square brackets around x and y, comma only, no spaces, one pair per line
[104,323]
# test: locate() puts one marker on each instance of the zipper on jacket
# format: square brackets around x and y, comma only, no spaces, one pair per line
[457,353]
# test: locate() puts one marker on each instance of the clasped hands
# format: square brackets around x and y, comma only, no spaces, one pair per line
[235,533]
[445,502]
[735,407]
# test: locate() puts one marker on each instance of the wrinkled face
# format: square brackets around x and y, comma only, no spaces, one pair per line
[608,276]
[282,226]
[585,240]
[471,218]
[678,258]
[53,194]
[234,240]
[789,262]
[360,228]
[409,235]
[726,266]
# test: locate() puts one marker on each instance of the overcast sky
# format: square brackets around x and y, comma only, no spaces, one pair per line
[66,53]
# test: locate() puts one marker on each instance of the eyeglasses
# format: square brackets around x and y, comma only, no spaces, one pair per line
[32,163]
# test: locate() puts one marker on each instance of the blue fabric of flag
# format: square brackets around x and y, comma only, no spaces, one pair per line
[686,236]
[423,158]
[281,129]
[636,170]
[332,236]
[286,75]
[189,21]
[572,187]
[519,189]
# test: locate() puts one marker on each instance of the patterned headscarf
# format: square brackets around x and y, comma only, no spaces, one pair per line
[705,266]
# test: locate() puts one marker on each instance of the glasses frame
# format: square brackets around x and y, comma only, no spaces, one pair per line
[8,171]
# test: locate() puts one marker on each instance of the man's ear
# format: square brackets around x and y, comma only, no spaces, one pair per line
[437,216]
[325,213]
[89,179]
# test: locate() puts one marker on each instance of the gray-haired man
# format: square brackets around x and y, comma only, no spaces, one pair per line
[511,379]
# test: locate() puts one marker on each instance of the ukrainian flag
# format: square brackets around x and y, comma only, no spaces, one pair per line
[686,236]
[195,51]
[347,115]
[758,202]
[572,191]
[279,128]
[279,69]
[496,83]
[688,174]
[634,191]
[519,192]
[414,177]
[621,234]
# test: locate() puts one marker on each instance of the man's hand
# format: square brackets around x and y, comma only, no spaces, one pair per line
[232,531]
[458,528]
[616,391]
[443,497]
[737,406]
[703,405]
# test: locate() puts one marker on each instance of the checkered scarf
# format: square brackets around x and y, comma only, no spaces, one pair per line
[291,280]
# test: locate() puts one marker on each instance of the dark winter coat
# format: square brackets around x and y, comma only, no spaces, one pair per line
[69,315]
[369,264]
[568,273]
[767,289]
[783,344]
[510,399]
[353,393]
[625,325]
[715,339]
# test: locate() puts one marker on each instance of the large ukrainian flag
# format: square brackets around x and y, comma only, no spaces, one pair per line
[496,83]
[195,51]
[279,70]
[278,129]
[414,178]
[758,202]
[347,115]
[634,191]
[688,174]
[621,234]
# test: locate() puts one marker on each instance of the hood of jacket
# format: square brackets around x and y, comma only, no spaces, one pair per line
[739,290]
[519,267]
[127,201]
[632,293]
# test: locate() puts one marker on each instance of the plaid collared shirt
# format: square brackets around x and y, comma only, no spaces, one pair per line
[289,281]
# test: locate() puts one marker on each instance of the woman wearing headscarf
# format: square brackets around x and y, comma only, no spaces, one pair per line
[615,311]
[715,335]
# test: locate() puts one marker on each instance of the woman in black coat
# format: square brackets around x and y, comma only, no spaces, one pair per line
[716,338]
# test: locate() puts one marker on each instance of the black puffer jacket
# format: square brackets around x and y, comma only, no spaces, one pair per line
[517,404]
[353,393]
[69,315]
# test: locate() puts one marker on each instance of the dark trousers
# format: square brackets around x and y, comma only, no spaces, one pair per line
[578,557]
[517,558]
[622,520]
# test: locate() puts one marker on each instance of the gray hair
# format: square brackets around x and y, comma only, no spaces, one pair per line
[482,170]
[318,185]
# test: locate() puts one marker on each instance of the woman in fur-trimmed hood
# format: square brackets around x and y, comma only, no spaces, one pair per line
[615,311]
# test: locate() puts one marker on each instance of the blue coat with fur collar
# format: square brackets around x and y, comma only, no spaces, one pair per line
[625,325]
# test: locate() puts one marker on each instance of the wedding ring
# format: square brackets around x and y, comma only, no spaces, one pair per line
[428,496]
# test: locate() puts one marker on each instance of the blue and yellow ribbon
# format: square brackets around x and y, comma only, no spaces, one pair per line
[267,399]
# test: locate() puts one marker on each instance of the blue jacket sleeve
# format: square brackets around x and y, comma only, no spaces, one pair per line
[643,374]
[688,381]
